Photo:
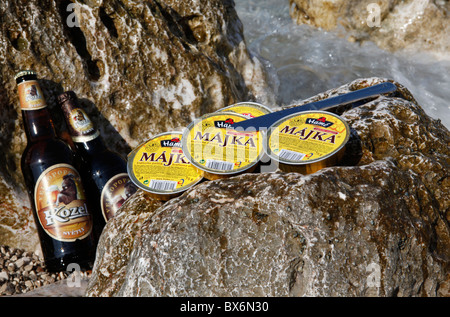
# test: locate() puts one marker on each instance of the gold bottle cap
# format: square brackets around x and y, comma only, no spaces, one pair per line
[24,73]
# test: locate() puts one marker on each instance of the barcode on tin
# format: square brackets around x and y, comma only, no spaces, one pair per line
[162,185]
[291,155]
[219,165]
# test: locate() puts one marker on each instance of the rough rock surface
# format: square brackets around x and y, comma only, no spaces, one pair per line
[380,228]
[139,68]
[421,25]
[117,242]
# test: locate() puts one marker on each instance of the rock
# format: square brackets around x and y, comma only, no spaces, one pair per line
[415,25]
[11,267]
[58,289]
[21,272]
[20,262]
[7,288]
[3,276]
[17,226]
[28,267]
[376,228]
[139,68]
[29,284]
[116,243]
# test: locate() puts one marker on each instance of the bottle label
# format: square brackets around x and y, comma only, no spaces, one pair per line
[31,96]
[116,191]
[81,127]
[61,204]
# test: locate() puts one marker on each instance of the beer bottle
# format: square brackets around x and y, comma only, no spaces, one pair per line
[105,171]
[56,192]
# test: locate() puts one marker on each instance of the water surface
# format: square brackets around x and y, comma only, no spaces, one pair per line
[303,61]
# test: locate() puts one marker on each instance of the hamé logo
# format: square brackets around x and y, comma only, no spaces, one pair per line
[224,124]
[174,142]
[322,122]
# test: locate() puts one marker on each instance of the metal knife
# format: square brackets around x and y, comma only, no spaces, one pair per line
[267,120]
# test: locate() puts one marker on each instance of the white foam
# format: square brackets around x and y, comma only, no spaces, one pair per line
[303,61]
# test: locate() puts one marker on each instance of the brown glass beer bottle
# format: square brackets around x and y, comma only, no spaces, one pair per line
[56,192]
[105,171]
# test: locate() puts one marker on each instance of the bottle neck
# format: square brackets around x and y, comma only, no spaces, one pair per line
[90,147]
[84,134]
[36,117]
[38,125]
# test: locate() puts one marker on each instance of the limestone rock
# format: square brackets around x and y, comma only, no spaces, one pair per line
[416,25]
[376,228]
[139,68]
[117,241]
[17,226]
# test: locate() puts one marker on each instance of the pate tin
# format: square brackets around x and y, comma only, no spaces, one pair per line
[160,167]
[219,151]
[308,141]
[248,109]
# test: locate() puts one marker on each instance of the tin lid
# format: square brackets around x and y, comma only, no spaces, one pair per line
[159,165]
[213,147]
[248,109]
[24,73]
[306,137]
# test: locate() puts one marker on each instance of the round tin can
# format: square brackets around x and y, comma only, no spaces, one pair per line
[308,141]
[248,109]
[218,151]
[160,167]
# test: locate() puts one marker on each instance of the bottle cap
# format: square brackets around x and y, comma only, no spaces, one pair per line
[24,73]
[68,95]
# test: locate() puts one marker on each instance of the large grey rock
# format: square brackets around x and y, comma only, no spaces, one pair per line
[378,228]
[139,68]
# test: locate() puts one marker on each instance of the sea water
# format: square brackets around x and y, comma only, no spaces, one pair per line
[303,61]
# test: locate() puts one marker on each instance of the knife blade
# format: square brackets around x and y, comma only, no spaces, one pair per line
[267,120]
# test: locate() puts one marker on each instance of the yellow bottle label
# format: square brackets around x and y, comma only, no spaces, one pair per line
[212,146]
[249,110]
[61,204]
[307,137]
[159,165]
[31,96]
